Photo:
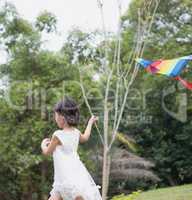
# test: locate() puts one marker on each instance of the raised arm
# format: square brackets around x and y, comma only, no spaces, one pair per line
[85,136]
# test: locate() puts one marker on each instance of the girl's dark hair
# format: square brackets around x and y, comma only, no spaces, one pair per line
[69,109]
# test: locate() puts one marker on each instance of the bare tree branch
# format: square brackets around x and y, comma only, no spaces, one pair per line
[139,52]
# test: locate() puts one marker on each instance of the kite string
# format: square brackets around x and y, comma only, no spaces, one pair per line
[87,103]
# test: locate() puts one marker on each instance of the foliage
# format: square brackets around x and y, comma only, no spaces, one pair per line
[165,137]
[37,78]
[46,21]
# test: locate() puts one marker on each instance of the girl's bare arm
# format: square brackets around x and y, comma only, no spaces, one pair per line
[85,136]
[49,145]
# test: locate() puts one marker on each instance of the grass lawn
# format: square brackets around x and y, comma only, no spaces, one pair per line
[172,193]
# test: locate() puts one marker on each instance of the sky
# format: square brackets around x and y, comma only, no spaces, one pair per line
[84,14]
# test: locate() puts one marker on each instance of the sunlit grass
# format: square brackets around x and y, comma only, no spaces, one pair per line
[173,193]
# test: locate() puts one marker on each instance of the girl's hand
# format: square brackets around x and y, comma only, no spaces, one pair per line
[93,119]
[45,142]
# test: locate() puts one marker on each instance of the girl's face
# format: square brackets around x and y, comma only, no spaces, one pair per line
[59,120]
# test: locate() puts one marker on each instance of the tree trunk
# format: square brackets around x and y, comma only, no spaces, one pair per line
[105,174]
[43,179]
[172,182]
[27,188]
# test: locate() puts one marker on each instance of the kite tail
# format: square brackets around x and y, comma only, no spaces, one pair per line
[185,83]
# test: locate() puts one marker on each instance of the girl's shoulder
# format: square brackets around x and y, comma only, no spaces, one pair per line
[57,132]
[77,130]
[60,132]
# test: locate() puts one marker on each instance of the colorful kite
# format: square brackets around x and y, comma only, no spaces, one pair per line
[170,68]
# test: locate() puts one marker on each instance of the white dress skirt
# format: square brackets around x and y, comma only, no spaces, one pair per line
[71,178]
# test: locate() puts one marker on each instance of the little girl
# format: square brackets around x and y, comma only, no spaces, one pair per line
[72,181]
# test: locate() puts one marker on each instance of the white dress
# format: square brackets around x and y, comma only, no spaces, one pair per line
[71,178]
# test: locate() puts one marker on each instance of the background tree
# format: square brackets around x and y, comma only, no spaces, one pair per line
[97,69]
[113,107]
[165,138]
[36,80]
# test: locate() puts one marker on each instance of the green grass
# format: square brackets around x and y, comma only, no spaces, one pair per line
[172,193]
